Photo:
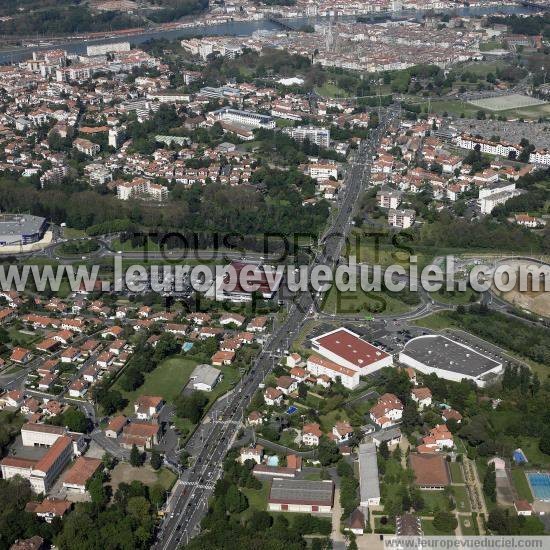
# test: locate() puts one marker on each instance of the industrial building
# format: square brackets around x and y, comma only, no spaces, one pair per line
[19,229]
[369,485]
[204,377]
[345,348]
[434,353]
[301,495]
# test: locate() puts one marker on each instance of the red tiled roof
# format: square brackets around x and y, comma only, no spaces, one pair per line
[54,452]
[429,470]
[82,470]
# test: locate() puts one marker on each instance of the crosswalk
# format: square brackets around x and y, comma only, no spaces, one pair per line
[208,486]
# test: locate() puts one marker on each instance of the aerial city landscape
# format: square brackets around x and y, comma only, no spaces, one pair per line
[274,274]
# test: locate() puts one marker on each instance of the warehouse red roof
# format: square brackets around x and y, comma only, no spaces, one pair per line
[350,347]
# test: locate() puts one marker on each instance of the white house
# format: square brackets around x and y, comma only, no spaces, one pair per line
[422,396]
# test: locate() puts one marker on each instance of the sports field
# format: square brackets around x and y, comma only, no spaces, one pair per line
[507,102]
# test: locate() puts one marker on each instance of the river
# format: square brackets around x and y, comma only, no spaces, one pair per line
[238,28]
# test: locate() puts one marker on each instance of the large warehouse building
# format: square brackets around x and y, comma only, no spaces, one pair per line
[448,359]
[301,495]
[16,229]
[345,348]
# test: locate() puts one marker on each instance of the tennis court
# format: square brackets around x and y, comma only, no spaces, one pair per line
[540,485]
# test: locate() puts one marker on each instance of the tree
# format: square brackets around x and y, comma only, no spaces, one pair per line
[410,415]
[544,441]
[111,401]
[97,490]
[445,522]
[75,420]
[157,495]
[260,520]
[235,501]
[302,391]
[156,460]
[490,483]
[139,508]
[191,406]
[383,450]
[327,452]
[136,457]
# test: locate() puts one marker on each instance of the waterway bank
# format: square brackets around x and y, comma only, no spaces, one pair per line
[231,28]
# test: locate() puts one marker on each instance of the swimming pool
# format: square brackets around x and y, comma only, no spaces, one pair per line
[187,346]
[540,485]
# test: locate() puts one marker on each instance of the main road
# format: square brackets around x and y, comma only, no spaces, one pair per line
[189,501]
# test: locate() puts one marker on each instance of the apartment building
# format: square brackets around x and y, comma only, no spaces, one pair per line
[244,118]
[502,149]
[401,218]
[388,198]
[141,187]
[319,136]
[86,146]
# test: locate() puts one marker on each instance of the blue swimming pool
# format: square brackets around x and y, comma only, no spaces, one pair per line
[540,485]
[187,346]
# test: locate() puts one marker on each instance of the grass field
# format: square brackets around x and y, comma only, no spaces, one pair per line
[429,529]
[124,473]
[490,46]
[455,297]
[367,302]
[167,380]
[328,420]
[530,446]
[521,484]
[257,499]
[434,501]
[329,89]
[456,472]
[467,525]
[507,102]
[19,338]
[461,498]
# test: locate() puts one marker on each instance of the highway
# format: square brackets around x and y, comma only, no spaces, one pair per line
[189,501]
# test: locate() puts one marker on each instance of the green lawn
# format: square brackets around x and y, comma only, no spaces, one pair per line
[429,529]
[536,457]
[71,233]
[490,46]
[437,321]
[328,89]
[379,527]
[19,338]
[328,420]
[455,297]
[461,498]
[521,484]
[359,301]
[434,501]
[456,472]
[166,478]
[284,123]
[167,380]
[257,498]
[467,530]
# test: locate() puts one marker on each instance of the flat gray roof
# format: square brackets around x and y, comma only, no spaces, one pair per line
[440,352]
[205,374]
[369,485]
[301,491]
[387,435]
[20,224]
